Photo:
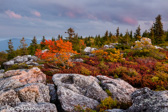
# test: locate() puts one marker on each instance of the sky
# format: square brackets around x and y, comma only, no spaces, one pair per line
[50,18]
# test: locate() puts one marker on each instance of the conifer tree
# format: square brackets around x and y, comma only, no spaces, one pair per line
[23,47]
[33,46]
[137,34]
[42,41]
[11,53]
[158,30]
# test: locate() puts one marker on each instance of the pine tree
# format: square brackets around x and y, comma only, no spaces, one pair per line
[158,30]
[152,35]
[137,34]
[42,41]
[130,35]
[23,47]
[11,53]
[70,32]
[33,46]
[117,32]
[53,39]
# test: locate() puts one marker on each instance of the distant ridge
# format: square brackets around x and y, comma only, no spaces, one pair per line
[16,43]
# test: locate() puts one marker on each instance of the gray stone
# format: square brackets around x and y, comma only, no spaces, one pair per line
[149,101]
[78,60]
[115,110]
[2,71]
[31,107]
[120,89]
[9,97]
[53,93]
[74,89]
[89,49]
[35,93]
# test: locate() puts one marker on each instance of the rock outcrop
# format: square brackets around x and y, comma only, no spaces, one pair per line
[25,89]
[119,89]
[146,100]
[76,89]
[26,59]
[88,50]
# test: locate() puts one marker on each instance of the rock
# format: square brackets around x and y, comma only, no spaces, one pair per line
[88,50]
[2,71]
[70,99]
[78,60]
[7,108]
[1,75]
[26,59]
[119,89]
[9,97]
[53,92]
[115,110]
[74,89]
[112,45]
[34,92]
[17,78]
[149,101]
[45,50]
[157,47]
[31,107]
[146,40]
[8,64]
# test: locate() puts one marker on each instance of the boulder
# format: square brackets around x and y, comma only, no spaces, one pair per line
[52,92]
[9,97]
[115,110]
[34,92]
[76,89]
[31,107]
[78,60]
[149,101]
[17,78]
[119,89]
[88,50]
[2,71]
[26,59]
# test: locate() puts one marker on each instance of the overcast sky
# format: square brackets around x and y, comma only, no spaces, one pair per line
[30,18]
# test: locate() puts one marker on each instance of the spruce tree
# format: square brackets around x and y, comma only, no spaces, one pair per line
[23,47]
[11,53]
[42,41]
[137,34]
[33,46]
[158,30]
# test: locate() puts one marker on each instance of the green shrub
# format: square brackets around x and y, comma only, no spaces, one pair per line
[85,71]
[102,65]
[107,103]
[19,66]
[79,108]
[108,92]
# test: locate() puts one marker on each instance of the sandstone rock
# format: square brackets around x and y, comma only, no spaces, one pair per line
[53,92]
[74,89]
[31,107]
[9,97]
[17,78]
[149,101]
[120,89]
[34,92]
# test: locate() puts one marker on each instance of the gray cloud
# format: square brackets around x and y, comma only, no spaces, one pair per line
[42,17]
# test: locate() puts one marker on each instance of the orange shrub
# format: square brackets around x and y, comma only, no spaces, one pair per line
[59,52]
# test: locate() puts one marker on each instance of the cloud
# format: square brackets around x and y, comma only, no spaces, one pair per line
[12,14]
[36,13]
[130,21]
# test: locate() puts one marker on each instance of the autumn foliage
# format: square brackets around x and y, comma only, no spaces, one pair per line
[59,52]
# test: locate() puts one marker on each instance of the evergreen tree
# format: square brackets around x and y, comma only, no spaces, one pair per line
[158,30]
[145,34]
[53,39]
[130,35]
[11,53]
[23,47]
[42,41]
[137,34]
[70,32]
[117,33]
[33,46]
[152,35]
